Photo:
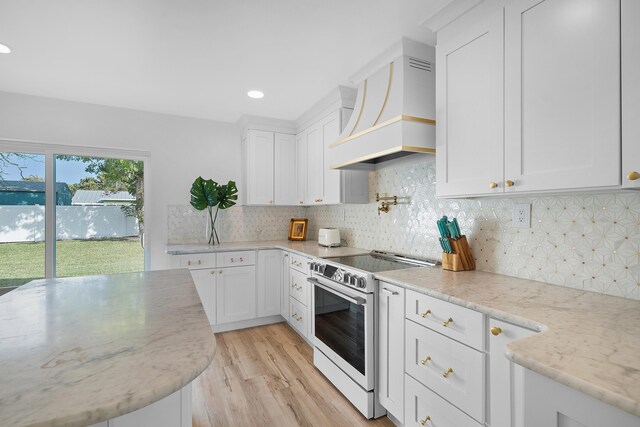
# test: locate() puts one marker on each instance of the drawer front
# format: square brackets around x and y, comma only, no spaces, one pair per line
[195,261]
[453,370]
[298,317]
[300,263]
[459,323]
[298,286]
[236,259]
[424,408]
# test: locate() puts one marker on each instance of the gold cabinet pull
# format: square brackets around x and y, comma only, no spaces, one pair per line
[425,314]
[220,272]
[447,372]
[493,185]
[496,330]
[199,262]
[447,322]
[424,421]
[509,183]
[232,260]
[188,262]
[301,202]
[213,272]
[425,360]
[241,260]
[633,175]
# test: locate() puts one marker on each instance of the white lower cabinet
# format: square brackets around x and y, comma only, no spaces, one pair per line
[299,291]
[425,408]
[269,282]
[551,404]
[391,349]
[299,317]
[284,286]
[505,378]
[236,294]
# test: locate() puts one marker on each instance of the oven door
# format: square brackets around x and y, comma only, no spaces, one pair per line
[343,328]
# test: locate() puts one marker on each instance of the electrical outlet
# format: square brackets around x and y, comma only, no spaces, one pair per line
[521,217]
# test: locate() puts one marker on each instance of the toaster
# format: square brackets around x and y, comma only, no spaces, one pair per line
[329,237]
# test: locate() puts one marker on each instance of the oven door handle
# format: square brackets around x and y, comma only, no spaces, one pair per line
[356,300]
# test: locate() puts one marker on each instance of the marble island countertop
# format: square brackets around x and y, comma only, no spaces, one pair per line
[589,342]
[78,351]
[308,248]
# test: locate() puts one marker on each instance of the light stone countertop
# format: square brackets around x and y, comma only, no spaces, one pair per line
[589,342]
[307,248]
[77,351]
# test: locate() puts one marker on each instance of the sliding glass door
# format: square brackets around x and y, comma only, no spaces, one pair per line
[67,212]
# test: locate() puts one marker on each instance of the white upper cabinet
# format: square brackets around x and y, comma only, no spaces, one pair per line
[285,184]
[469,112]
[630,93]
[330,132]
[315,165]
[301,168]
[529,100]
[260,167]
[562,94]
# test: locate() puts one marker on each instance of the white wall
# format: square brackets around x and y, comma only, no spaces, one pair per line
[181,148]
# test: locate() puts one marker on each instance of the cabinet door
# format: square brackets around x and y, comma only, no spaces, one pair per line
[551,404]
[285,185]
[505,378]
[315,165]
[301,168]
[260,173]
[205,281]
[562,94]
[630,93]
[269,282]
[469,85]
[391,349]
[284,287]
[330,133]
[236,294]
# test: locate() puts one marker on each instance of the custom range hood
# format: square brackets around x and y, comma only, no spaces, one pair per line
[394,113]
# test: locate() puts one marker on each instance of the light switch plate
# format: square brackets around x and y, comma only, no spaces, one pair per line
[521,216]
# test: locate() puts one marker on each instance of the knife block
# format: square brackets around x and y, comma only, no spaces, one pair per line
[461,259]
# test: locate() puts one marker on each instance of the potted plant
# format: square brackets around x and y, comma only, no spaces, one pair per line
[208,194]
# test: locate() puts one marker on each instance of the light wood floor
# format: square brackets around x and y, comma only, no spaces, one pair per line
[265,376]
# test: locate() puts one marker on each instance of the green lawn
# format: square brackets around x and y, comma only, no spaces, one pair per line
[22,262]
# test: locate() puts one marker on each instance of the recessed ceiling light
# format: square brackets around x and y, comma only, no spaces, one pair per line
[4,48]
[255,94]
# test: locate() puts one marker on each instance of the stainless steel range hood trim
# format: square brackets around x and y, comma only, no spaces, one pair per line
[383,124]
[399,148]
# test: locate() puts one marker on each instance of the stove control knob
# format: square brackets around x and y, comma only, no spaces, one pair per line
[346,278]
[360,282]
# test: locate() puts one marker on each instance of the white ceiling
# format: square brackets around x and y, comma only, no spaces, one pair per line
[198,58]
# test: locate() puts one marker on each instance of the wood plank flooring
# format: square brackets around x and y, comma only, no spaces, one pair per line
[264,376]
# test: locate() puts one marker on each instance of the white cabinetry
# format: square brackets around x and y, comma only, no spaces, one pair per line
[301,168]
[236,294]
[205,281]
[325,186]
[551,404]
[557,107]
[299,291]
[562,105]
[270,168]
[284,287]
[469,113]
[260,167]
[505,378]
[630,94]
[269,282]
[391,349]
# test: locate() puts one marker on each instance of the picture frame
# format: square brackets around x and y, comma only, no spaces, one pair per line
[298,229]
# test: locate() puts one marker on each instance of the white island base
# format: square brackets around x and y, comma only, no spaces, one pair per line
[172,411]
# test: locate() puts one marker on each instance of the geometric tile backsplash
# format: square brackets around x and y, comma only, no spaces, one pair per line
[584,241]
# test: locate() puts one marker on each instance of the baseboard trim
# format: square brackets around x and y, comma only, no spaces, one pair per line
[243,324]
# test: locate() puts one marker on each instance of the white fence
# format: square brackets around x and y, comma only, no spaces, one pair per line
[26,223]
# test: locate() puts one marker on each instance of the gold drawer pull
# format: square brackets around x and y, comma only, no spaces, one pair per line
[188,262]
[493,185]
[447,372]
[241,260]
[496,330]
[232,260]
[632,176]
[447,322]
[424,421]
[199,262]
[213,272]
[426,359]
[425,314]
[509,183]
